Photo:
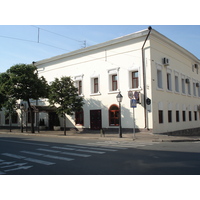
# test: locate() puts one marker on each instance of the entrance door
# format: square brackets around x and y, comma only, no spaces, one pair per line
[95,119]
[53,118]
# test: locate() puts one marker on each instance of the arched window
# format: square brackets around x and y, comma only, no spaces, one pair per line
[79,119]
[114,115]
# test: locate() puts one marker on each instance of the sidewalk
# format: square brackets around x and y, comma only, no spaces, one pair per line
[139,137]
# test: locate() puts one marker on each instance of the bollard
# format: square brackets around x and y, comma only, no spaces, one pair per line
[102,132]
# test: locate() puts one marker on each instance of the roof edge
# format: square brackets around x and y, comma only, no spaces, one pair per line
[93,47]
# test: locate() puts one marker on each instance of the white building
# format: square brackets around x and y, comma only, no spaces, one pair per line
[146,62]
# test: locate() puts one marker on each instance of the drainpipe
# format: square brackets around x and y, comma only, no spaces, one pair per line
[144,79]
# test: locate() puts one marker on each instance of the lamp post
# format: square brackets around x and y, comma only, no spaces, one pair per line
[119,99]
[22,108]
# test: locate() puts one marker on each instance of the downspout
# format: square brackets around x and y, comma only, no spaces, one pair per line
[144,79]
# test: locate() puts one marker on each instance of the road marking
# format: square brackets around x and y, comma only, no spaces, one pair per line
[107,146]
[22,167]
[6,163]
[90,151]
[32,153]
[48,150]
[13,155]
[28,159]
[76,154]
[45,145]
[64,148]
[92,148]
[39,161]
[81,150]
[58,157]
[16,164]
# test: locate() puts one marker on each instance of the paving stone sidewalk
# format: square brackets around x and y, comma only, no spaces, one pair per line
[138,137]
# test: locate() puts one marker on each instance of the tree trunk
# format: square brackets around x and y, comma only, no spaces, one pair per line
[10,122]
[31,117]
[64,116]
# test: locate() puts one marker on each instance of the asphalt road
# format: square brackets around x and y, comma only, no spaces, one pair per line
[35,155]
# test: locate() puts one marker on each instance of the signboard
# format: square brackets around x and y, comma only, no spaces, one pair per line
[130,94]
[148,101]
[136,95]
[133,103]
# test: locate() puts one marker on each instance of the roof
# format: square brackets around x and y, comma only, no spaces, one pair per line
[138,34]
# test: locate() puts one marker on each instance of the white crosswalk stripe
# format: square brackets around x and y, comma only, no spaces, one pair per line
[27,159]
[120,144]
[50,154]
[92,148]
[107,146]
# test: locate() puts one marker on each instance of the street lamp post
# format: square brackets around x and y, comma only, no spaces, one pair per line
[22,108]
[119,99]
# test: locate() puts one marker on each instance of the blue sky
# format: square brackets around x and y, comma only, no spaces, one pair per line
[19,43]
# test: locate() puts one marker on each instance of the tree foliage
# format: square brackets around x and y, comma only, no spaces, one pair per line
[64,95]
[21,81]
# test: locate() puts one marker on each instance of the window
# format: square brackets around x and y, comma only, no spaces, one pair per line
[177,116]
[169,116]
[135,79]
[96,85]
[183,85]
[190,115]
[188,86]
[194,89]
[79,87]
[184,115]
[29,116]
[176,83]
[79,83]
[198,88]
[114,115]
[195,115]
[159,78]
[160,116]
[7,118]
[113,79]
[114,82]
[14,118]
[169,79]
[79,117]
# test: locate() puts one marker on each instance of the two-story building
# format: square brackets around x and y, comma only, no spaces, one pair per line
[164,75]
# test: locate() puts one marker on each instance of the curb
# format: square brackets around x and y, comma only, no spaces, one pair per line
[185,140]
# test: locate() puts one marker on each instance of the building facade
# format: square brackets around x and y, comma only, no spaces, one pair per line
[163,76]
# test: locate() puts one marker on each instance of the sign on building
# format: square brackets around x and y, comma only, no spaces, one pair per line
[133,103]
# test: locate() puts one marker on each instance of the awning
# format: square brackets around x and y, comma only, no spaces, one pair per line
[43,108]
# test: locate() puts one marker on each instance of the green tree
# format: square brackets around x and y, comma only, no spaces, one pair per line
[6,101]
[24,83]
[64,95]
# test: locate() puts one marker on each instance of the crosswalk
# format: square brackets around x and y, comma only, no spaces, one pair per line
[50,155]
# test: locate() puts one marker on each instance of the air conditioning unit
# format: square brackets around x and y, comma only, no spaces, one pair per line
[187,80]
[197,84]
[165,61]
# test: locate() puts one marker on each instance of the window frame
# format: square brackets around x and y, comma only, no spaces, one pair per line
[78,81]
[176,82]
[111,73]
[169,79]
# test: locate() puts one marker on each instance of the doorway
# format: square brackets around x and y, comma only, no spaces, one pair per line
[95,119]
[53,118]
